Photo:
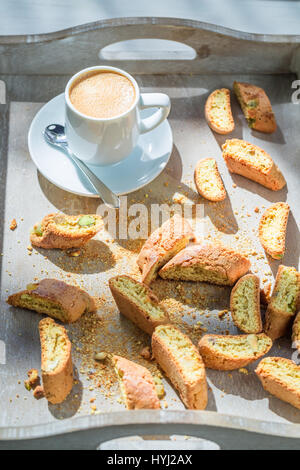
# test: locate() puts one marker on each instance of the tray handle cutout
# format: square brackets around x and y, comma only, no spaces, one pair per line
[174,442]
[147,49]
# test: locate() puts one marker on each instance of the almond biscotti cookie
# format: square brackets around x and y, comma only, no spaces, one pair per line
[284,302]
[208,181]
[182,363]
[218,111]
[254,163]
[65,231]
[162,245]
[137,385]
[296,332]
[281,378]
[137,302]
[54,298]
[272,229]
[57,368]
[256,107]
[208,262]
[245,304]
[225,352]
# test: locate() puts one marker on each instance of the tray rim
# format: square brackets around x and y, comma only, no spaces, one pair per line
[139,20]
[150,417]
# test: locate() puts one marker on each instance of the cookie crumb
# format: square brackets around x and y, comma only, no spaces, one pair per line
[73,252]
[33,379]
[13,224]
[222,313]
[38,392]
[146,353]
[100,356]
[159,387]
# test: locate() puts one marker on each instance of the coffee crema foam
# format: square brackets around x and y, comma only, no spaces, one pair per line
[102,94]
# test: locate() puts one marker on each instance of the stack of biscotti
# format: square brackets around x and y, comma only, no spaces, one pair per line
[207,262]
[162,245]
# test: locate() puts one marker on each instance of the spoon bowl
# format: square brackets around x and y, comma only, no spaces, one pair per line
[55,135]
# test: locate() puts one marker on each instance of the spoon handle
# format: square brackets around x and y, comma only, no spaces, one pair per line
[108,197]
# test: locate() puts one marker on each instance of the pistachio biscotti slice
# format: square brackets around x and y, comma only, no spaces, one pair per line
[208,181]
[182,363]
[225,352]
[272,229]
[136,384]
[296,332]
[209,262]
[284,302]
[281,378]
[162,245]
[65,231]
[218,111]
[54,298]
[254,163]
[138,303]
[256,107]
[245,304]
[57,368]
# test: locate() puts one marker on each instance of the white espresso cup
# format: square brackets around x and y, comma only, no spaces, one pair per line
[106,141]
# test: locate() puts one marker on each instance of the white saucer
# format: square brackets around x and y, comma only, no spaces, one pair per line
[145,163]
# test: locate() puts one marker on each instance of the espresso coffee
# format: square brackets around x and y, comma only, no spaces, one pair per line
[102,94]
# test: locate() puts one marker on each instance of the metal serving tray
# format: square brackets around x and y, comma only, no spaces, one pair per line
[36,68]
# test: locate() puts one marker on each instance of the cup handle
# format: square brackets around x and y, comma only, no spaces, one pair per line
[154,100]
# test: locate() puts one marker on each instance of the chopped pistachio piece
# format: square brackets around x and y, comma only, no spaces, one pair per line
[251,122]
[100,356]
[86,220]
[27,385]
[252,104]
[38,230]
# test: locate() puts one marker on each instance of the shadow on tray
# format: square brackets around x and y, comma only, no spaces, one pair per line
[221,216]
[277,137]
[256,188]
[292,244]
[285,410]
[195,294]
[94,257]
[65,201]
[70,406]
